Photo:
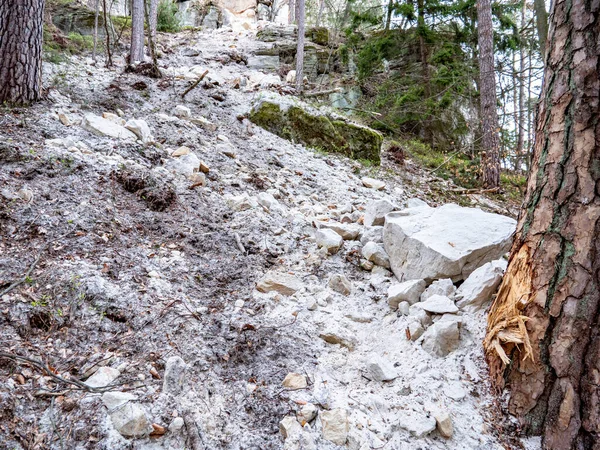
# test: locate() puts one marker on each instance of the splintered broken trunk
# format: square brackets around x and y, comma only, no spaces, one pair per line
[543,338]
[21,50]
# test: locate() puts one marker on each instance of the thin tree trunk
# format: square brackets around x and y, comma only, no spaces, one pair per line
[427,135]
[541,23]
[136,52]
[320,13]
[529,112]
[96,13]
[490,156]
[543,338]
[153,19]
[291,11]
[521,79]
[155,70]
[300,47]
[21,38]
[388,19]
[516,116]
[109,61]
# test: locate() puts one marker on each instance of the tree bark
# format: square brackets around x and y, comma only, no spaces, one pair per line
[543,338]
[21,39]
[300,47]
[320,13]
[136,52]
[291,11]
[541,23]
[490,156]
[521,79]
[388,19]
[153,18]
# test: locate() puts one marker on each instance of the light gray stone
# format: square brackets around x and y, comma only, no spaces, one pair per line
[289,427]
[445,242]
[338,336]
[103,377]
[417,423]
[438,304]
[294,381]
[416,330]
[404,308]
[335,425]
[477,290]
[444,424]
[372,183]
[175,370]
[341,284]
[114,399]
[130,420]
[104,127]
[440,287]
[182,111]
[241,202]
[283,283]
[176,424]
[376,254]
[409,291]
[329,240]
[441,338]
[184,164]
[141,129]
[376,211]
[307,413]
[348,231]
[381,369]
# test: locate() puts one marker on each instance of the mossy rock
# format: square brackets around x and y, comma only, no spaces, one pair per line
[300,123]
[318,35]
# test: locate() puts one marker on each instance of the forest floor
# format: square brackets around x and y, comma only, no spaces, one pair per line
[124,264]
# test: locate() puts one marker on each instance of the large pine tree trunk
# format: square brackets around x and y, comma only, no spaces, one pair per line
[490,157]
[543,338]
[136,53]
[21,38]
[300,47]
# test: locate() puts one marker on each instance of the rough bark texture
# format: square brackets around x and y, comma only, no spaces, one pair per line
[291,11]
[543,338]
[153,18]
[21,37]
[541,23]
[136,53]
[300,48]
[490,157]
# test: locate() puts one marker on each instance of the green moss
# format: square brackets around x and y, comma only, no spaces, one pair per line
[121,22]
[318,35]
[167,20]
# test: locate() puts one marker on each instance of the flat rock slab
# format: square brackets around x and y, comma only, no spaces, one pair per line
[105,127]
[283,283]
[438,304]
[446,242]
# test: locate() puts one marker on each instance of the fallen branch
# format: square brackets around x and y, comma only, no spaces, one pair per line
[319,93]
[24,279]
[196,83]
[238,241]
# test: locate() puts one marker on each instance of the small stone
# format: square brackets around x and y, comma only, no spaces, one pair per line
[341,337]
[101,126]
[197,179]
[141,129]
[341,284]
[438,304]
[204,167]
[366,264]
[455,391]
[418,424]
[114,399]
[477,290]
[181,151]
[176,425]
[415,330]
[439,287]
[381,369]
[203,122]
[182,111]
[174,375]
[307,413]
[376,211]
[444,424]
[335,425]
[348,232]
[103,377]
[267,201]
[409,291]
[240,202]
[184,164]
[283,283]
[441,338]
[239,303]
[64,119]
[375,253]
[373,183]
[289,427]
[130,420]
[157,430]
[372,234]
[329,240]
[294,381]
[420,315]
[404,308]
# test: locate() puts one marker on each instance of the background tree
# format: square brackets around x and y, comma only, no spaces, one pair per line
[543,339]
[21,39]
[301,16]
[136,52]
[490,156]
[541,22]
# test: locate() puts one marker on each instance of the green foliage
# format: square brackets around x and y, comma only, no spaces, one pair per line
[167,20]
[121,22]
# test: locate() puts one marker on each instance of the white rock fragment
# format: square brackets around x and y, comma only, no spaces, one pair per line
[176,424]
[450,241]
[376,254]
[283,283]
[338,336]
[341,284]
[376,211]
[268,202]
[175,370]
[182,111]
[335,425]
[409,291]
[381,369]
[104,127]
[455,391]
[141,129]
[294,381]
[289,427]
[307,413]
[240,202]
[444,424]
[438,304]
[373,183]
[372,234]
[329,240]
[130,420]
[184,164]
[348,232]
[415,330]
[417,423]
[103,377]
[114,399]
[440,287]
[478,288]
[203,122]
[441,338]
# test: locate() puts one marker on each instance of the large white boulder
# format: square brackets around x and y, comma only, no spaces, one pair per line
[446,242]
[105,127]
[477,290]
